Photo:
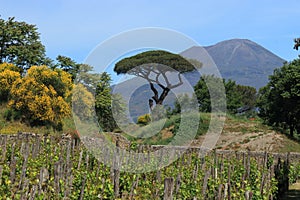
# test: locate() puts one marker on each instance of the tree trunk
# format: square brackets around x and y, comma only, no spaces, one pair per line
[292,130]
[158,100]
[151,104]
[163,95]
[298,130]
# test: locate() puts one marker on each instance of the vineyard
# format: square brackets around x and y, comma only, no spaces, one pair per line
[44,167]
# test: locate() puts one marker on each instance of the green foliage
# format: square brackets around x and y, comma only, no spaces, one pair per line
[239,96]
[144,119]
[158,113]
[279,100]
[119,109]
[109,107]
[103,103]
[236,95]
[171,60]
[68,65]
[247,94]
[185,102]
[20,44]
[203,94]
[87,78]
[197,64]
[11,114]
[294,172]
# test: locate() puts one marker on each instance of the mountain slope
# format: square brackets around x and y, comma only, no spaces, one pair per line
[241,60]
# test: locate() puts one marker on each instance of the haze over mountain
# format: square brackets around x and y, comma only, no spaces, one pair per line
[241,60]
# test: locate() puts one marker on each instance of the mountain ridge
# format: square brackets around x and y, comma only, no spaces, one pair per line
[241,60]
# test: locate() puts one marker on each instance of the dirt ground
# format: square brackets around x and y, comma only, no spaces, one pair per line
[252,138]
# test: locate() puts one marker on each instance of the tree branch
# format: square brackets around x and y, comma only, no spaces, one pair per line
[178,84]
[155,97]
[163,96]
[166,80]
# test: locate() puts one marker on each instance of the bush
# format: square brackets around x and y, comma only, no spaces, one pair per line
[144,119]
[11,114]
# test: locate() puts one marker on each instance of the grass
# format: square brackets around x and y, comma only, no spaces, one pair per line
[15,126]
[243,124]
[289,145]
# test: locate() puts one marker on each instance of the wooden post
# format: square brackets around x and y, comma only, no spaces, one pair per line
[4,149]
[117,171]
[44,176]
[168,188]
[79,160]
[225,190]
[82,187]
[178,183]
[158,180]
[248,195]
[13,166]
[228,185]
[33,192]
[24,167]
[134,185]
[248,165]
[220,192]
[1,171]
[207,174]
[286,170]
[57,176]
[262,184]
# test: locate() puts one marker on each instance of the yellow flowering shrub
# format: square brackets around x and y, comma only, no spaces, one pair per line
[42,95]
[8,75]
[9,66]
[144,119]
[60,80]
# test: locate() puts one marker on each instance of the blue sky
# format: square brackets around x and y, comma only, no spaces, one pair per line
[74,28]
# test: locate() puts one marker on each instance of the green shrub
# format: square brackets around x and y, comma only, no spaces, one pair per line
[11,114]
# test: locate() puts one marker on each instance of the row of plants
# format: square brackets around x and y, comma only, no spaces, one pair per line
[45,168]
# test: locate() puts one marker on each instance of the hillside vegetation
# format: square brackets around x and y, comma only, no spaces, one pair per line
[239,133]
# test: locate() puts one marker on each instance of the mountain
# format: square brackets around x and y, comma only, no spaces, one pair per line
[241,60]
